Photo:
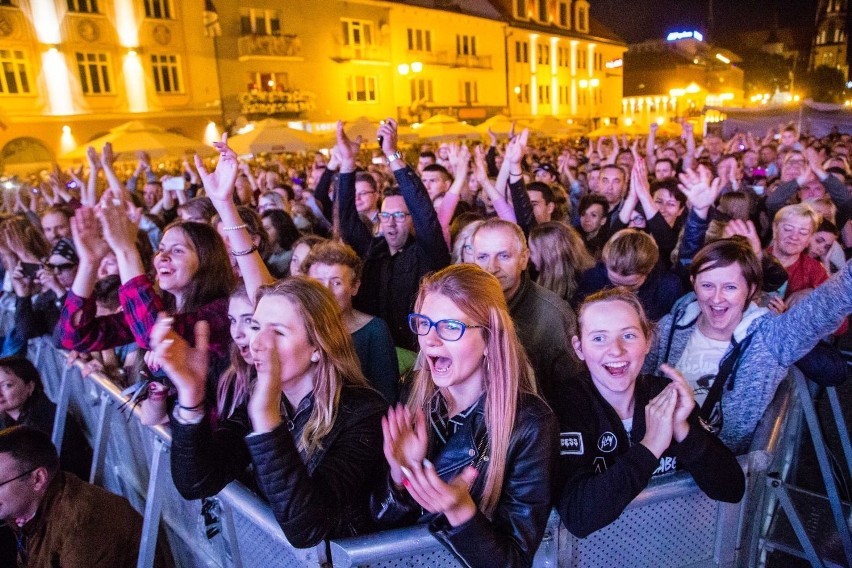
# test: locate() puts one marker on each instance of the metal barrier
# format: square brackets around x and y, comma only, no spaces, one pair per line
[671,523]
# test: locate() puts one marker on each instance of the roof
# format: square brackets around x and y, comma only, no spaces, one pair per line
[480,8]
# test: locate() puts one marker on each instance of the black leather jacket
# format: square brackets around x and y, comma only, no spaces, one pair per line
[512,536]
[325,496]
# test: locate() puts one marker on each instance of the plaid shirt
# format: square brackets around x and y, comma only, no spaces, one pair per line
[140,304]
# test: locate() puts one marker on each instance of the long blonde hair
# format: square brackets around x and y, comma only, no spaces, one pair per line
[507,373]
[558,252]
[338,364]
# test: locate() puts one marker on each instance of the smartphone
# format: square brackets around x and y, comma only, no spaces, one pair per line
[30,269]
[380,140]
[378,161]
[174,184]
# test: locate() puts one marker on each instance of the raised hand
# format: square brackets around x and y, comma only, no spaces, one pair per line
[347,149]
[517,146]
[405,440]
[451,499]
[107,156]
[388,131]
[118,230]
[685,402]
[264,405]
[185,365]
[744,229]
[659,421]
[701,191]
[219,184]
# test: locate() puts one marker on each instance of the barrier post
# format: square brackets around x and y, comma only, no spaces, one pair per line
[229,534]
[61,410]
[153,505]
[96,476]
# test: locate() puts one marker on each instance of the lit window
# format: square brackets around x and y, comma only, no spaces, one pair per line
[542,11]
[15,77]
[256,21]
[160,9]
[361,89]
[94,73]
[419,40]
[465,45]
[421,91]
[167,75]
[563,14]
[83,6]
[469,92]
[521,9]
[357,33]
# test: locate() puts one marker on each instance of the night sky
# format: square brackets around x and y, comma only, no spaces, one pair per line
[637,20]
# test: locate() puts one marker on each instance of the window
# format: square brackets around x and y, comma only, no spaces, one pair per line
[468,92]
[521,9]
[523,92]
[160,9]
[465,45]
[167,75]
[421,91]
[543,94]
[259,22]
[361,89]
[581,59]
[581,20]
[268,81]
[419,40]
[521,52]
[83,6]
[598,61]
[357,33]
[543,54]
[15,79]
[563,14]
[94,73]
[542,11]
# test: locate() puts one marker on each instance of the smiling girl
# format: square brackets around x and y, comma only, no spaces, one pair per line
[619,428]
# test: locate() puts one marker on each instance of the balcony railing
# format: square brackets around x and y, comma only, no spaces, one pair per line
[473,61]
[277,104]
[371,53]
[263,46]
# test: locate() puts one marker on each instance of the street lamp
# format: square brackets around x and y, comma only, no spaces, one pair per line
[404,69]
[589,84]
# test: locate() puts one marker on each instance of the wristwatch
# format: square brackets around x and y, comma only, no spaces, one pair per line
[395,156]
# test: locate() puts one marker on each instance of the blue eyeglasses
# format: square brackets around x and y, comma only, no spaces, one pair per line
[448,329]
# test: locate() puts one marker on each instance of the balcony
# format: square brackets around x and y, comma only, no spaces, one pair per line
[473,61]
[286,47]
[288,104]
[363,54]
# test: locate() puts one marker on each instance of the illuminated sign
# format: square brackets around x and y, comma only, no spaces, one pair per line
[674,36]
[614,64]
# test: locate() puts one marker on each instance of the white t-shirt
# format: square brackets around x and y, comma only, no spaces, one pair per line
[700,362]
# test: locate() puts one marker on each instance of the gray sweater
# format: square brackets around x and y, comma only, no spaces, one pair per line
[776,343]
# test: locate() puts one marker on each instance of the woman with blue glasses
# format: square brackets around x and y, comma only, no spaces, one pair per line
[471,453]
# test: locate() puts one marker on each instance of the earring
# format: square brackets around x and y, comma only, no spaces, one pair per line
[315,358]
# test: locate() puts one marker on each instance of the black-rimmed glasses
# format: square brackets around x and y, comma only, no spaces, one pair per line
[398,216]
[447,329]
[2,483]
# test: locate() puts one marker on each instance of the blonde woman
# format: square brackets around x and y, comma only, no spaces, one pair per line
[472,451]
[314,437]
[559,255]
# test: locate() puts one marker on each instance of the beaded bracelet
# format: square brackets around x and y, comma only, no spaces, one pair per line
[244,252]
[235,227]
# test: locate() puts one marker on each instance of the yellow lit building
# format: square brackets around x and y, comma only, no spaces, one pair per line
[562,62]
[314,62]
[76,68]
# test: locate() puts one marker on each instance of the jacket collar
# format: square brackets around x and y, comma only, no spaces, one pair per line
[687,316]
[466,446]
[523,290]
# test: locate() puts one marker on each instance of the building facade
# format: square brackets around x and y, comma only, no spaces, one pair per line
[675,78]
[831,42]
[75,69]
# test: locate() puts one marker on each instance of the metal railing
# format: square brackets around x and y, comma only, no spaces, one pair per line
[671,523]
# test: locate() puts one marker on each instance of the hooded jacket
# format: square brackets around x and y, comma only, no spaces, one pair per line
[774,343]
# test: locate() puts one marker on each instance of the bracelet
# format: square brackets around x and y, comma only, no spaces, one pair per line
[195,408]
[235,227]
[244,252]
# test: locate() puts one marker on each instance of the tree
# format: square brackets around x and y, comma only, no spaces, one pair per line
[825,84]
[766,72]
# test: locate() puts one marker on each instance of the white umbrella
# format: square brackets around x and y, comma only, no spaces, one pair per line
[136,136]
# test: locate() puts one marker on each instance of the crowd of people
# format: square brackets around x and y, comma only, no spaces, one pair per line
[465,337]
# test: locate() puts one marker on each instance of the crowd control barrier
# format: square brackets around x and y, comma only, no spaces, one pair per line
[670,524]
